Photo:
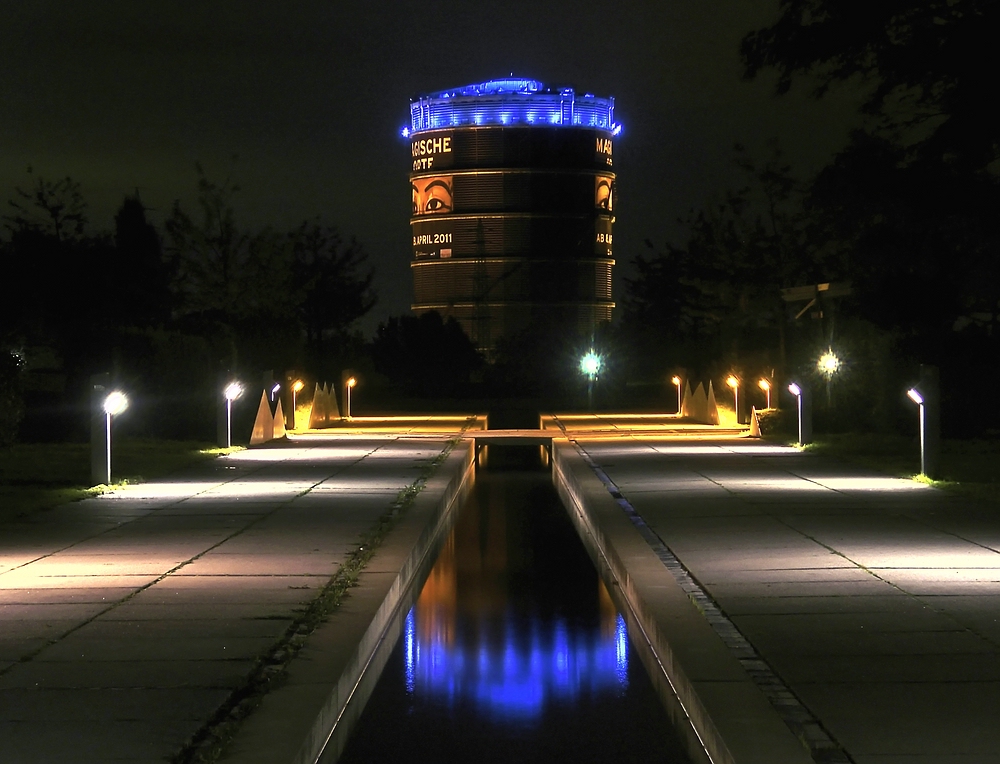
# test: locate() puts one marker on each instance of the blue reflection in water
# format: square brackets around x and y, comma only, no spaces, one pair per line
[514,679]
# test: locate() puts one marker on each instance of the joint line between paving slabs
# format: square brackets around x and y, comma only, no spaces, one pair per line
[822,747]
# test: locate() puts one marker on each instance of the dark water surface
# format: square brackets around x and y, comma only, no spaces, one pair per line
[514,651]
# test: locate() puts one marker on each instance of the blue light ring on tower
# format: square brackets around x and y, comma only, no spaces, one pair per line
[510,102]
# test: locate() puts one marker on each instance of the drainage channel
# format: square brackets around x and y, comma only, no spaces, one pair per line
[513,650]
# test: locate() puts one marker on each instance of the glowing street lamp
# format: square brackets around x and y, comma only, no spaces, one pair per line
[805,413]
[734,383]
[828,365]
[297,385]
[233,391]
[765,385]
[677,383]
[115,403]
[274,390]
[350,384]
[590,366]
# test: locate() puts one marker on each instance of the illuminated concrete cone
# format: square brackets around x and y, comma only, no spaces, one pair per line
[711,407]
[263,425]
[754,423]
[686,402]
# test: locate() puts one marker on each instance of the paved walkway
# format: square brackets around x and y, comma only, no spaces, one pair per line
[127,619]
[875,600]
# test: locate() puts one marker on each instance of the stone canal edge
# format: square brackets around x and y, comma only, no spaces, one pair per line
[719,711]
[309,717]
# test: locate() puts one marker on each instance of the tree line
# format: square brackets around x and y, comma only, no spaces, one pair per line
[905,213]
[903,218]
[170,312]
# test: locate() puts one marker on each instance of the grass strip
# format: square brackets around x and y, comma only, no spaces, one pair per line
[970,468]
[40,476]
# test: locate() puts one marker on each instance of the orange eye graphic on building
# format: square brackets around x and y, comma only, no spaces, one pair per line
[432,196]
[604,193]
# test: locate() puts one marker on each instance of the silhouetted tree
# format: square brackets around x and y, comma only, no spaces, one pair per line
[715,300]
[141,282]
[425,355]
[333,284]
[929,66]
[909,207]
[53,209]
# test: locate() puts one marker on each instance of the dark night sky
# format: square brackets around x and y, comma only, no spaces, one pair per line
[310,95]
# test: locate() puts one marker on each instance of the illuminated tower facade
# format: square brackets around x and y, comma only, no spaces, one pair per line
[513,189]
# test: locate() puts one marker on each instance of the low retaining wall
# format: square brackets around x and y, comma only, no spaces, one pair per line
[309,719]
[721,714]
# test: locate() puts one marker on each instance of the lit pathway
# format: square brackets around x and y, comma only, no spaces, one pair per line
[126,620]
[875,600]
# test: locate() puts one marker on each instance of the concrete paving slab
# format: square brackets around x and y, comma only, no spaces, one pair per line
[900,660]
[732,591]
[67,595]
[202,590]
[34,611]
[83,648]
[217,674]
[915,643]
[900,669]
[913,579]
[14,648]
[128,564]
[933,758]
[943,718]
[863,624]
[708,574]
[101,705]
[142,610]
[26,578]
[813,563]
[217,562]
[133,615]
[896,602]
[84,742]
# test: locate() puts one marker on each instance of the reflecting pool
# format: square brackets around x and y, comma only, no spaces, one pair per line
[514,651]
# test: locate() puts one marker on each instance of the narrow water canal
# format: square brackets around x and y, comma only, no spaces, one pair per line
[514,651]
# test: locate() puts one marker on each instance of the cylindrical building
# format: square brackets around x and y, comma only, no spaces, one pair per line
[513,204]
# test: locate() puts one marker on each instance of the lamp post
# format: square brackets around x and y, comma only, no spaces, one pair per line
[765,385]
[274,390]
[351,383]
[233,391]
[927,397]
[677,383]
[590,366]
[296,387]
[734,383]
[804,405]
[915,395]
[115,403]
